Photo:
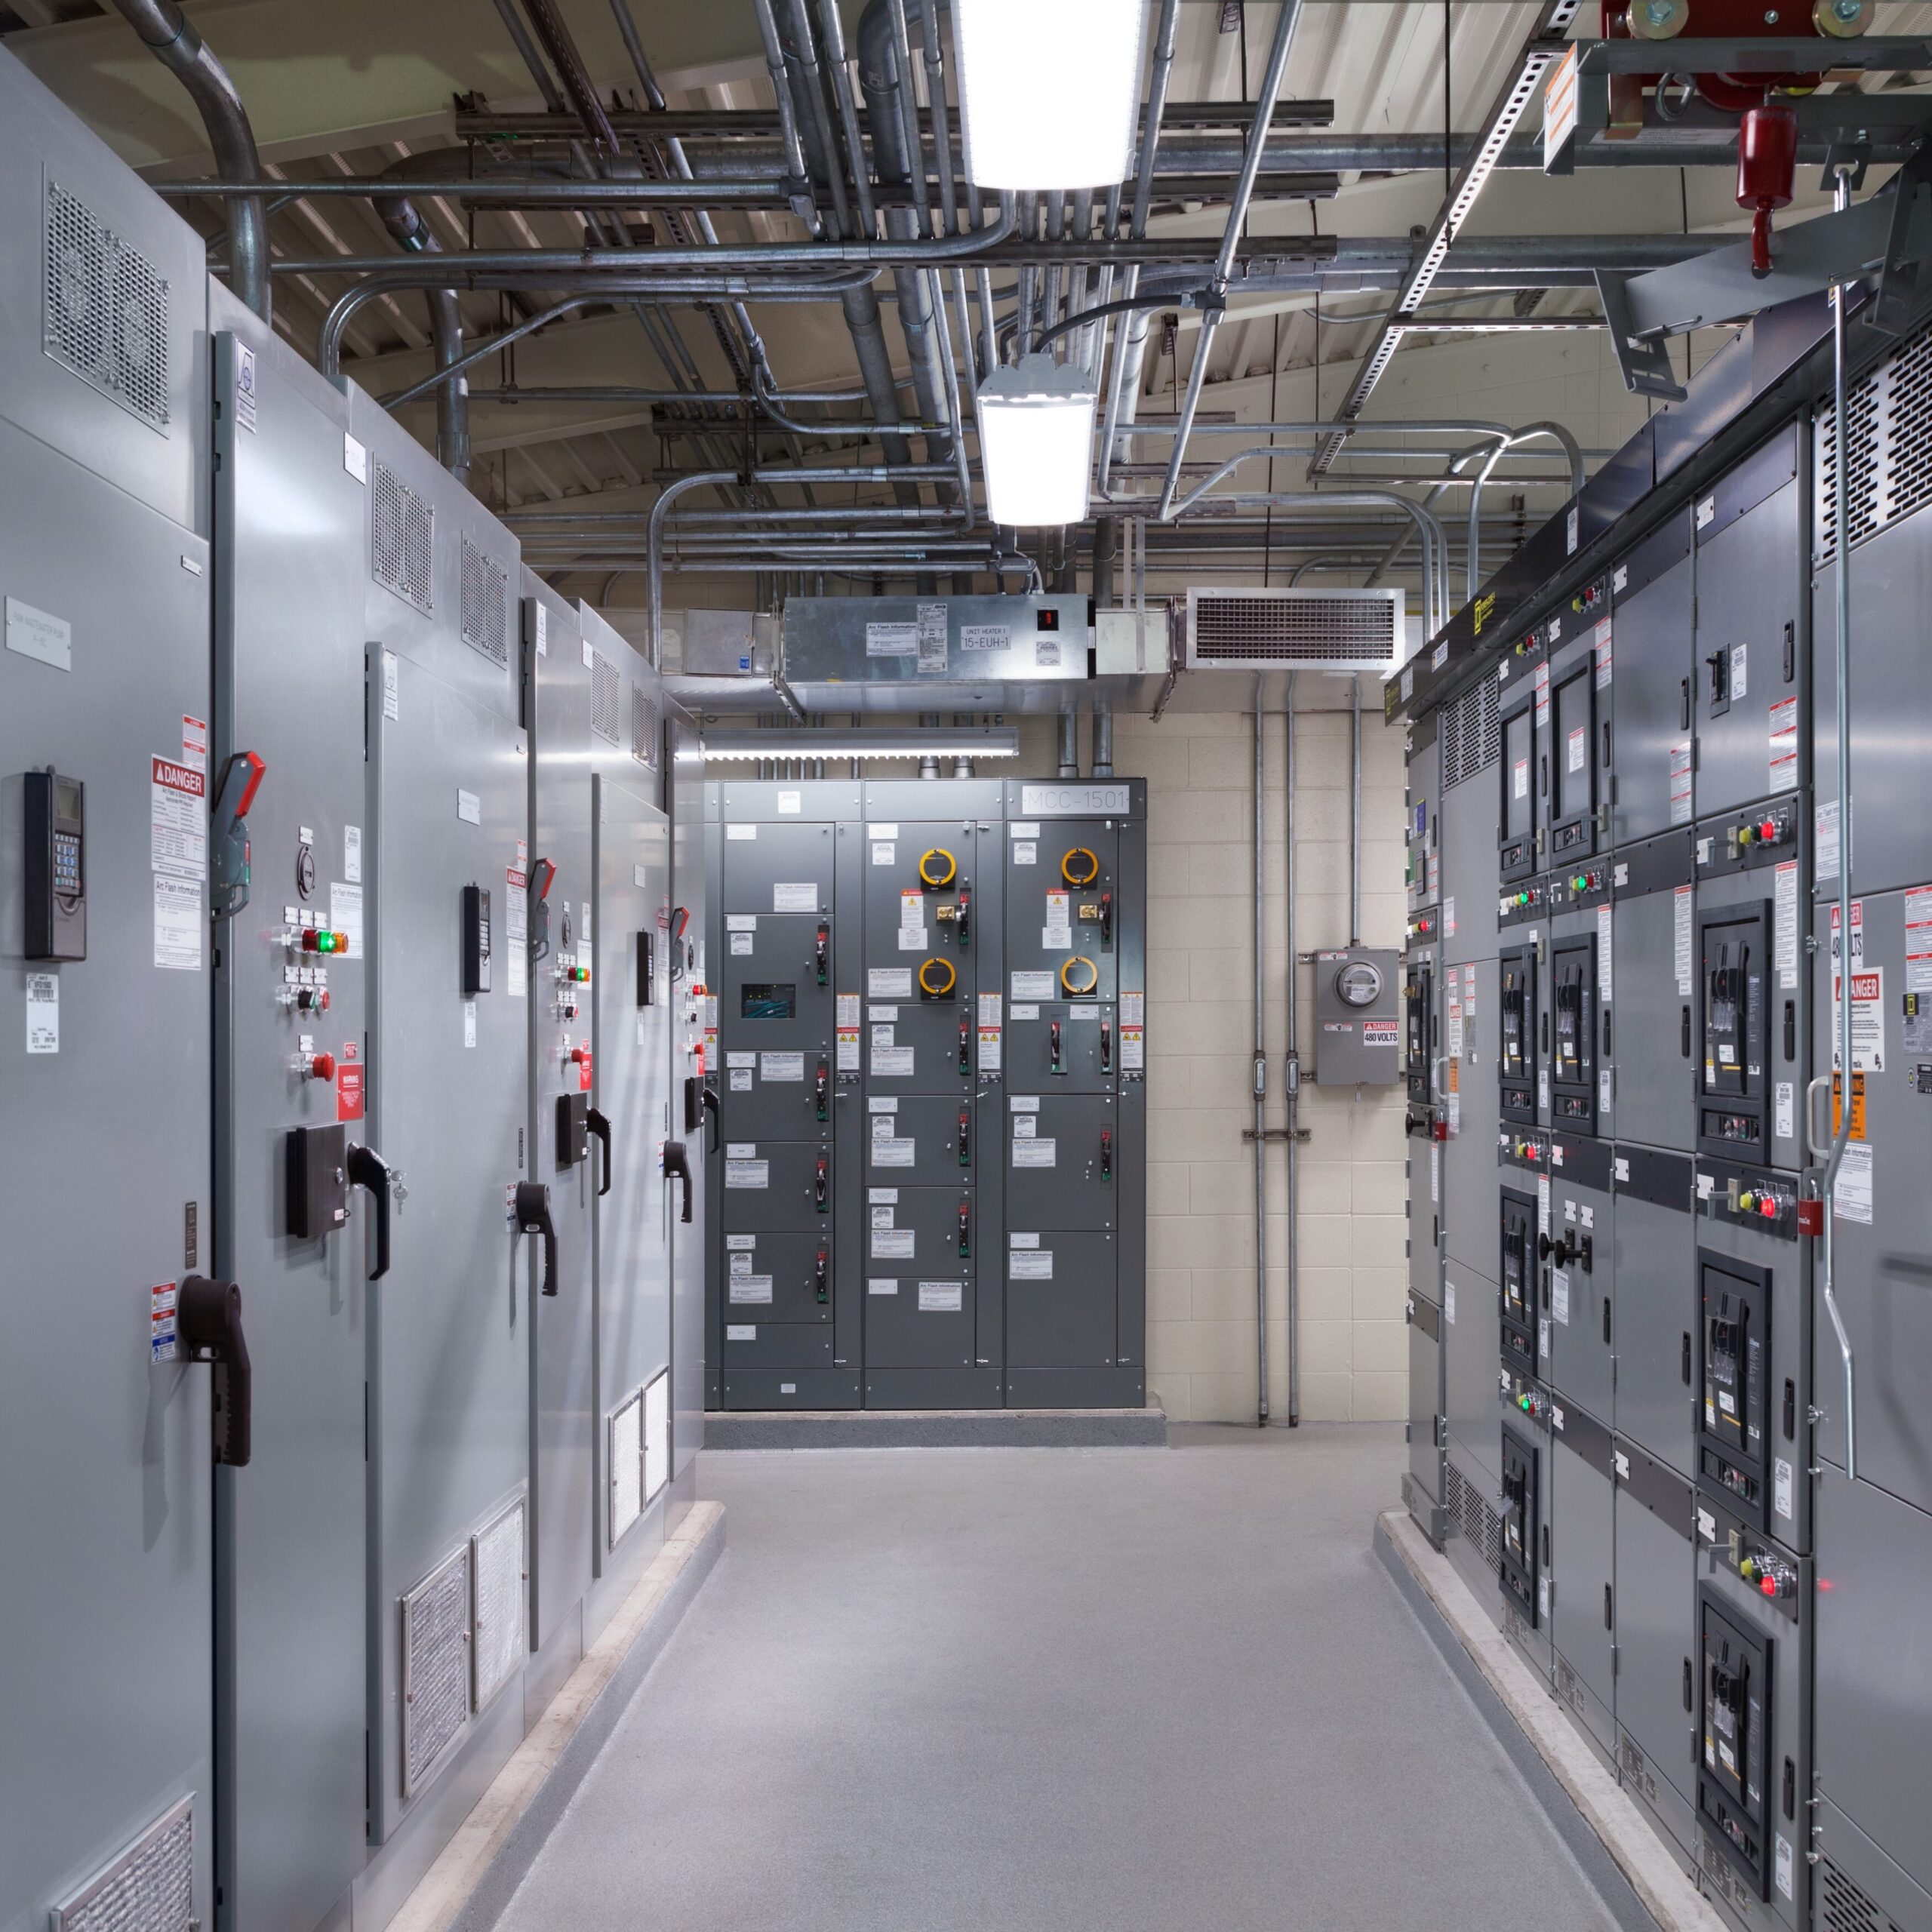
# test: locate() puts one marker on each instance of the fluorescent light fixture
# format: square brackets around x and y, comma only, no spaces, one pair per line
[1049,90]
[887,741]
[1036,442]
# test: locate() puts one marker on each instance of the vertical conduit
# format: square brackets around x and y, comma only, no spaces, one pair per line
[1291,1058]
[1355,811]
[1260,1084]
[1069,745]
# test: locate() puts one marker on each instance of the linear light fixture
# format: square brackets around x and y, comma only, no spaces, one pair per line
[887,741]
[1049,90]
[1036,442]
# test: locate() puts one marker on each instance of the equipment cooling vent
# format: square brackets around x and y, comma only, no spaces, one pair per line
[625,1437]
[1843,1905]
[497,1580]
[643,727]
[484,603]
[435,1669]
[1267,630]
[1470,733]
[150,1887]
[1888,435]
[403,549]
[1471,1513]
[606,699]
[104,309]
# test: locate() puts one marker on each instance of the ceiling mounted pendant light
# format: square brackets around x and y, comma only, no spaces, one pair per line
[1036,442]
[1050,90]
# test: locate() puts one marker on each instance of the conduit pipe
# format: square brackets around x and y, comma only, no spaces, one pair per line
[1291,1057]
[1355,810]
[1529,432]
[413,234]
[175,44]
[1069,745]
[1260,1084]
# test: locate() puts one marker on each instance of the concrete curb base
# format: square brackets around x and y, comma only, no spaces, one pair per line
[937,1428]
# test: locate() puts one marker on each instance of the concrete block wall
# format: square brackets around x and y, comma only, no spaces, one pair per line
[1201,1347]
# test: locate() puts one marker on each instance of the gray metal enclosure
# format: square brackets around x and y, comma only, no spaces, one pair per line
[932,1122]
[289,577]
[105,1692]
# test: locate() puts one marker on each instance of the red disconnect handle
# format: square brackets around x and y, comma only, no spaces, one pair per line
[322,1066]
[252,762]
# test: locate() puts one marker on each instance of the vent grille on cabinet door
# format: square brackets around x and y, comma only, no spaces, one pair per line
[149,1887]
[1471,736]
[104,309]
[1843,1905]
[606,698]
[657,1434]
[1889,432]
[435,1668]
[496,1559]
[1260,630]
[1474,1517]
[626,1467]
[484,605]
[643,727]
[404,548]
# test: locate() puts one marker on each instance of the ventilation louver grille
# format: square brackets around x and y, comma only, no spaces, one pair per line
[606,697]
[1258,630]
[104,309]
[1888,430]
[1843,1905]
[150,1887]
[484,605]
[643,727]
[435,1668]
[1474,1517]
[496,1557]
[656,1434]
[404,540]
[1469,734]
[626,1434]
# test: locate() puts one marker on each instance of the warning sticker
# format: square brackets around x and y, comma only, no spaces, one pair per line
[1851,1198]
[516,927]
[1680,941]
[1542,695]
[1519,779]
[43,1012]
[176,819]
[1604,962]
[1867,1018]
[1784,925]
[889,983]
[1133,1050]
[932,640]
[163,1345]
[1603,653]
[1784,744]
[1857,1105]
[195,743]
[1918,939]
[177,923]
[1381,1032]
[848,1050]
[348,1091]
[1680,782]
[1857,932]
[892,640]
[940,1298]
[1576,753]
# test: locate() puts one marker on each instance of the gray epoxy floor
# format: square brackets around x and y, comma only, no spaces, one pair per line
[1055,1688]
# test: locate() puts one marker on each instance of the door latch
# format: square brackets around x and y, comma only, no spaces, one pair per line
[1054,1054]
[533,1217]
[822,1276]
[208,1318]
[965,1137]
[821,1189]
[1106,1154]
[822,953]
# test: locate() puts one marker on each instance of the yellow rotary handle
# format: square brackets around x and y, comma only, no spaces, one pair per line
[1071,870]
[1067,976]
[937,868]
[937,964]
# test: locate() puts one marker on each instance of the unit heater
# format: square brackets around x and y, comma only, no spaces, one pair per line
[1284,630]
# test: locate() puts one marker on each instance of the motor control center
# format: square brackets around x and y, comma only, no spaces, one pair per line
[929,1150]
[1664,1364]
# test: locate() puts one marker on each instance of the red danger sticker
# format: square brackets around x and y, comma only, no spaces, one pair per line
[348,1092]
[583,1073]
[179,778]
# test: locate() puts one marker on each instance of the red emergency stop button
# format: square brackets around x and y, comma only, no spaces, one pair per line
[1769,829]
[1768,1207]
[1769,1585]
[321,1066]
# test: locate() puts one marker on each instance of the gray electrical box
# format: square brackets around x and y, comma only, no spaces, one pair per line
[1358,1028]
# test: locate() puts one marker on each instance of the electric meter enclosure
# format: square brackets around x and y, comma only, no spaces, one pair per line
[1357,1027]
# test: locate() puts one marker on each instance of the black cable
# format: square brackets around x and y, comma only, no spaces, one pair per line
[1193,299]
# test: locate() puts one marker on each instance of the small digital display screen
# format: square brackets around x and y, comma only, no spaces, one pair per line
[1047,621]
[774,1001]
[67,798]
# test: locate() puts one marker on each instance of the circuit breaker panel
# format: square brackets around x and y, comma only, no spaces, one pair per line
[932,1040]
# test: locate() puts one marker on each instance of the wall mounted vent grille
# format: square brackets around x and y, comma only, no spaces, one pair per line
[643,727]
[1265,630]
[104,309]
[496,1574]
[657,1434]
[1889,429]
[403,549]
[626,1467]
[150,1887]
[435,1669]
[606,698]
[1474,1517]
[1843,1905]
[1470,733]
[484,605]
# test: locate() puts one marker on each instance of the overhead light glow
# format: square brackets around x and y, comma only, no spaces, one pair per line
[1049,90]
[1036,442]
[887,741]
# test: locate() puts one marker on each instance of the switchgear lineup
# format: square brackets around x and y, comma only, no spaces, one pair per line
[929,1160]
[369,1360]
[1628,1410]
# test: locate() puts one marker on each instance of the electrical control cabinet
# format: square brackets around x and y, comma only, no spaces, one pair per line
[1654,1231]
[1466,1113]
[1650,687]
[1654,978]
[291,1029]
[1422,1481]
[1578,985]
[1521,1277]
[1751,631]
[1582,1592]
[1523,1556]
[1523,769]
[1522,1033]
[1655,1602]
[1464,918]
[1579,648]
[1582,1261]
[932,1158]
[689,962]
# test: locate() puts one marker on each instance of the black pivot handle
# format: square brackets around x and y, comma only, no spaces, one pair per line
[693,1086]
[600,1125]
[366,1168]
[678,1167]
[709,1094]
[207,1315]
[533,1217]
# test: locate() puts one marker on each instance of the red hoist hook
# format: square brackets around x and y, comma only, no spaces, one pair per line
[1767,163]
